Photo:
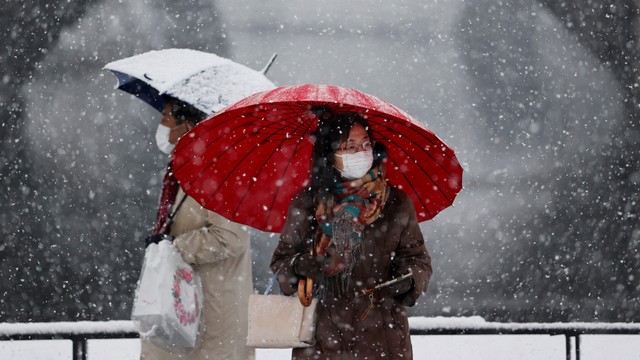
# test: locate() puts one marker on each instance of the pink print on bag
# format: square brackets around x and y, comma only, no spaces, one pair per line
[185,317]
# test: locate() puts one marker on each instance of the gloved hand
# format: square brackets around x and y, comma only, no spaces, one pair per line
[400,288]
[309,265]
[156,238]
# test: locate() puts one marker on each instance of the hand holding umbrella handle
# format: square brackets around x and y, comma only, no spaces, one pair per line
[305,289]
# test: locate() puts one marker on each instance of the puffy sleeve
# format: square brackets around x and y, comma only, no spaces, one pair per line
[217,240]
[412,254]
[294,240]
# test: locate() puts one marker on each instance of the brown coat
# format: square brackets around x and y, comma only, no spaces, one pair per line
[391,246]
[219,250]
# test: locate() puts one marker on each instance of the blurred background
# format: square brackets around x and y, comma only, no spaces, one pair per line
[538,98]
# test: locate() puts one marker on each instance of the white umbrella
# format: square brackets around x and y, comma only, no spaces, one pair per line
[206,81]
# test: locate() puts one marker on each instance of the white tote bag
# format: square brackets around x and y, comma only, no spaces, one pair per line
[278,321]
[168,300]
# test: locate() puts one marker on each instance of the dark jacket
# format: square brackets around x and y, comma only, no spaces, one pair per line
[391,246]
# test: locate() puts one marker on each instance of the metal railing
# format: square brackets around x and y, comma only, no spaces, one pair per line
[80,332]
[571,331]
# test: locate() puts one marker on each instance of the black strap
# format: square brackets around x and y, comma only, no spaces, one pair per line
[173,214]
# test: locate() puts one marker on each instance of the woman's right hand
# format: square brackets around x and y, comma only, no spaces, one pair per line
[311,266]
[156,238]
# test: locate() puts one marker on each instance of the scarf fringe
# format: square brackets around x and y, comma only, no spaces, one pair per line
[342,218]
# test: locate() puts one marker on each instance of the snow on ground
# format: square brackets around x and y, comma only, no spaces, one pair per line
[432,347]
[435,347]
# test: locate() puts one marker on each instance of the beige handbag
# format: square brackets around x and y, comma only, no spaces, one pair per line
[278,321]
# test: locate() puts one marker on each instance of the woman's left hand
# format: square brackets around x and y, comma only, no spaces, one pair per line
[401,288]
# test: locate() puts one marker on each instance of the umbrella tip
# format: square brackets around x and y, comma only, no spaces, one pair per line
[269,63]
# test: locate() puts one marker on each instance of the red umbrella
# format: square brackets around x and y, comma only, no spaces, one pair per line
[249,160]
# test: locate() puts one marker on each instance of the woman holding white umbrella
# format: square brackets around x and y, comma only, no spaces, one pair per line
[217,248]
[187,86]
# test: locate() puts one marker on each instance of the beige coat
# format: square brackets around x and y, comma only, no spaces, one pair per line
[220,252]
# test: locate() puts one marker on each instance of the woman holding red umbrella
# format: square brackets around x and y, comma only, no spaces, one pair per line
[357,237]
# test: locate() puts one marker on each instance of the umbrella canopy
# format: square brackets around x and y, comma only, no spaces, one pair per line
[248,161]
[206,81]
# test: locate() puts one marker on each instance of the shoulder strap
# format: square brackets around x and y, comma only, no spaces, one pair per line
[172,214]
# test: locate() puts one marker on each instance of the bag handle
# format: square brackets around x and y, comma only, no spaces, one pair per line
[305,288]
[267,290]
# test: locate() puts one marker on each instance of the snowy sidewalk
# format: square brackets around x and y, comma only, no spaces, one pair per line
[496,341]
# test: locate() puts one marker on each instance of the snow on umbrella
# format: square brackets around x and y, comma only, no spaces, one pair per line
[206,81]
[248,161]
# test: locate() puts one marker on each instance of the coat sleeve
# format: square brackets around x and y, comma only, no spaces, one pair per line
[293,241]
[412,254]
[219,239]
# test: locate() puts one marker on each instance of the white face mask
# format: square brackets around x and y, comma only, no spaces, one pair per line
[162,139]
[355,166]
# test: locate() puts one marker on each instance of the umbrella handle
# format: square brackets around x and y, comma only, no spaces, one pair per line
[305,290]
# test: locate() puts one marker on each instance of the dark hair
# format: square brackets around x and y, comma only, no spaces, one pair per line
[183,111]
[333,129]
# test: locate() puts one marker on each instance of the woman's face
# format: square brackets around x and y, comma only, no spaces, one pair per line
[170,121]
[357,136]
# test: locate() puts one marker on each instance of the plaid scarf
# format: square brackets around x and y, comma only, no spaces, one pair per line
[167,199]
[342,218]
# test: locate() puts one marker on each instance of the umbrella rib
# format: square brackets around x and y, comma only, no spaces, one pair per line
[205,169]
[209,130]
[296,128]
[241,160]
[260,170]
[200,153]
[434,160]
[414,189]
[428,175]
[452,158]
[221,123]
[224,152]
[283,173]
